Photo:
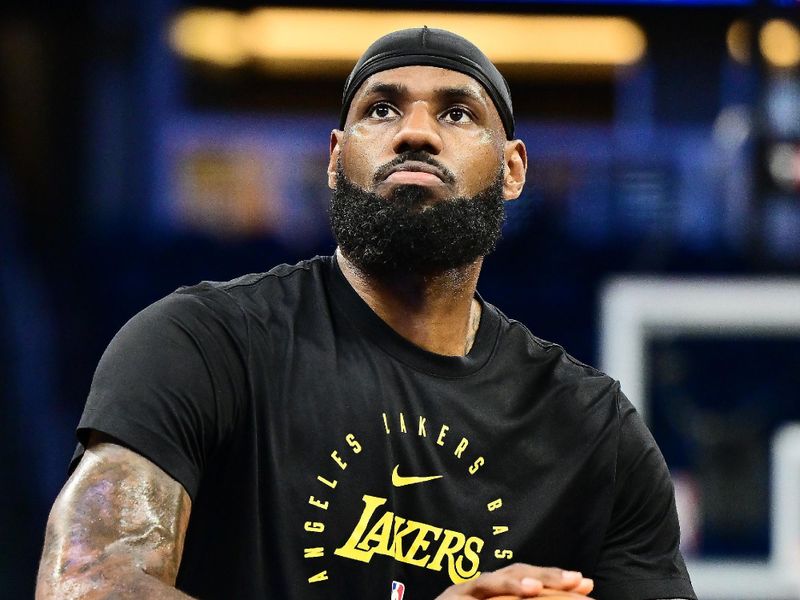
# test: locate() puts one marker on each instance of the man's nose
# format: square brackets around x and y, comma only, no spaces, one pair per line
[419,130]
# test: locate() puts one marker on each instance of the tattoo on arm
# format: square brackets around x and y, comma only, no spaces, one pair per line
[116,529]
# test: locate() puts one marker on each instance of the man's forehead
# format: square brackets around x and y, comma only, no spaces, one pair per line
[434,48]
[424,79]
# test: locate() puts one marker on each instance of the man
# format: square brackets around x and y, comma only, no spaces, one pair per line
[365,425]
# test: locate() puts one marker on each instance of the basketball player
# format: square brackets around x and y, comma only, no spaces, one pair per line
[365,425]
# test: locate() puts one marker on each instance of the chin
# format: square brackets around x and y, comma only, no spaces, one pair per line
[415,195]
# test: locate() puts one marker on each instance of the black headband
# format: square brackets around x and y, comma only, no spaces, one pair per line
[434,48]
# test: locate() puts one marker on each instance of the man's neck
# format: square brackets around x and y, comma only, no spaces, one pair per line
[436,312]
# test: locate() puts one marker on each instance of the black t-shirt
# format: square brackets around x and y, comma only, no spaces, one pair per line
[328,457]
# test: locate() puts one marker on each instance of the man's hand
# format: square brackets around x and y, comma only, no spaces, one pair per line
[519,580]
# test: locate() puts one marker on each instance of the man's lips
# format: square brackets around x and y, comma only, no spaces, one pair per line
[414,172]
[413,177]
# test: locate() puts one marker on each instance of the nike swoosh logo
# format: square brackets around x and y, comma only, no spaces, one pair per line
[400,481]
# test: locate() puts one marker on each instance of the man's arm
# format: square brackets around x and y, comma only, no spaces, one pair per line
[640,557]
[116,529]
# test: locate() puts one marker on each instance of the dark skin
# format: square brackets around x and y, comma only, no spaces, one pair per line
[117,528]
[448,115]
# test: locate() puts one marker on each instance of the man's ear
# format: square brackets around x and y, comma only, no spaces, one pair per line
[514,169]
[333,160]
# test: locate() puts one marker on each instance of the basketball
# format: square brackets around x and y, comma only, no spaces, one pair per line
[552,594]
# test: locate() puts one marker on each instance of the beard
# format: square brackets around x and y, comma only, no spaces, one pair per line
[403,234]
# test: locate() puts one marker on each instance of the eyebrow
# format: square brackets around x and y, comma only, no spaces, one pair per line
[460,93]
[448,93]
[389,89]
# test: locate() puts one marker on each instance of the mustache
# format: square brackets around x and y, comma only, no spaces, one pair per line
[413,155]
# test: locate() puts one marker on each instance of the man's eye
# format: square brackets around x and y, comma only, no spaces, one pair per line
[457,115]
[381,111]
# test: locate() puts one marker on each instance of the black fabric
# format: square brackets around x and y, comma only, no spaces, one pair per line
[283,405]
[434,48]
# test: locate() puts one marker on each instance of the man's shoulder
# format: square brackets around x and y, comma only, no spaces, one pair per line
[279,275]
[234,303]
[552,358]
[255,287]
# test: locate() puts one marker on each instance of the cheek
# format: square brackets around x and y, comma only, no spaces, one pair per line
[357,157]
[479,166]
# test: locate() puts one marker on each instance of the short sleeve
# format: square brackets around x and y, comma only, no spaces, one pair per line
[640,558]
[169,384]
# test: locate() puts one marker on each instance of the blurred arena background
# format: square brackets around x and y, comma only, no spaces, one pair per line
[153,143]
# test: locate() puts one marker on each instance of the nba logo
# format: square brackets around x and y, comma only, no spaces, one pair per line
[398,590]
